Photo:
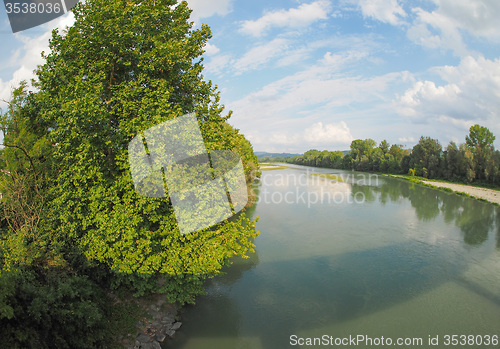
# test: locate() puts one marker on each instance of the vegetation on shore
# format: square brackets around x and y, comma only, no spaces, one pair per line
[474,162]
[74,233]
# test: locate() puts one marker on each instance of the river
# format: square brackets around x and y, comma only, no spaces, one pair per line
[355,256]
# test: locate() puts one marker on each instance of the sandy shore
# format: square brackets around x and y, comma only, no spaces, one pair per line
[490,195]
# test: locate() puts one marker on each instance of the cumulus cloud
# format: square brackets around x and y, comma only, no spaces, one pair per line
[470,94]
[337,133]
[301,16]
[426,98]
[387,11]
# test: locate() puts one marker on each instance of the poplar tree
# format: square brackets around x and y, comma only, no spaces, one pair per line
[123,67]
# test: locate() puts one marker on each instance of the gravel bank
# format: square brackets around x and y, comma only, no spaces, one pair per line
[490,195]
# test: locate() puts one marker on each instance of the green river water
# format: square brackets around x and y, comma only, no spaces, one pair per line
[360,257]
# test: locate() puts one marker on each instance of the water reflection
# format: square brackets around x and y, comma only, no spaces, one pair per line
[497,215]
[474,218]
[215,314]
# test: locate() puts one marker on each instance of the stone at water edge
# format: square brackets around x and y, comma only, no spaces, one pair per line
[176,326]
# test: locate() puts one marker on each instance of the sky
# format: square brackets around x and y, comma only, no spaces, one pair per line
[317,74]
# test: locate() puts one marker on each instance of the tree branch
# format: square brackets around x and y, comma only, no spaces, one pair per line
[27,155]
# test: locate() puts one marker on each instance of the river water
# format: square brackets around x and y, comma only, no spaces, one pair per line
[355,256]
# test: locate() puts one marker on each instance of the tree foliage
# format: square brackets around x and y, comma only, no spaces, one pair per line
[72,223]
[426,155]
[52,310]
[124,67]
[474,160]
[480,143]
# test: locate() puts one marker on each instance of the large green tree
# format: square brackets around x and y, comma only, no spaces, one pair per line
[480,143]
[425,157]
[361,152]
[123,67]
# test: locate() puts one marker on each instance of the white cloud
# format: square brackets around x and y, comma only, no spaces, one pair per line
[337,133]
[443,28]
[320,84]
[260,55]
[448,36]
[471,94]
[406,139]
[427,98]
[29,55]
[289,51]
[302,16]
[218,64]
[210,49]
[479,17]
[255,58]
[387,11]
[317,135]
[314,97]
[209,8]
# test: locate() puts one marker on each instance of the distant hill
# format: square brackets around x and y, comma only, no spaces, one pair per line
[263,154]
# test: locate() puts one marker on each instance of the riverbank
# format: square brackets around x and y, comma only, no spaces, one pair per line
[157,323]
[489,195]
[486,194]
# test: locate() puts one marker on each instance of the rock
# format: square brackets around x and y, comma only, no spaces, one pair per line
[143,338]
[176,326]
[158,323]
[152,345]
[170,333]
[155,325]
[169,319]
[160,337]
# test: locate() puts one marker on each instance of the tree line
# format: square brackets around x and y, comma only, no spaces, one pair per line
[75,236]
[475,160]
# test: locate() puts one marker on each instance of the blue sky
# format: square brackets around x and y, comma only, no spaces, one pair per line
[319,73]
